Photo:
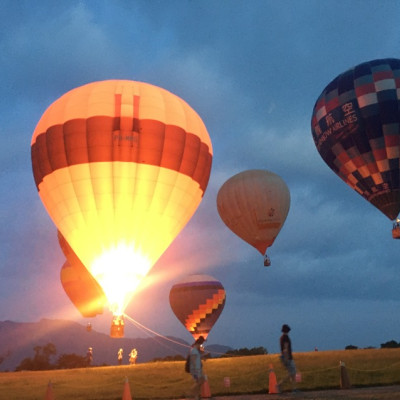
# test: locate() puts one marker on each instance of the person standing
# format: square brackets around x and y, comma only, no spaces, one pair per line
[133,356]
[120,356]
[196,367]
[89,356]
[287,359]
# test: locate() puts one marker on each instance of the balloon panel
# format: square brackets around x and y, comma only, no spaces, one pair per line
[198,302]
[79,285]
[254,204]
[82,289]
[146,214]
[69,254]
[355,127]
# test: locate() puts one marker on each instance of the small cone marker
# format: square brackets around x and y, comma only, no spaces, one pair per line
[205,389]
[127,391]
[273,384]
[49,392]
[344,377]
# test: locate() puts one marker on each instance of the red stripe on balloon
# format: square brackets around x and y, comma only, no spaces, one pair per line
[100,139]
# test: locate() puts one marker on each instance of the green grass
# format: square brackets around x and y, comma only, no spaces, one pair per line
[167,380]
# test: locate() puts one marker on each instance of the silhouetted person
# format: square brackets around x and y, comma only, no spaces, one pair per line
[120,356]
[133,356]
[287,358]
[196,367]
[89,356]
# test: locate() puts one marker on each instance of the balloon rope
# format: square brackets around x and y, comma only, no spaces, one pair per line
[148,330]
[144,328]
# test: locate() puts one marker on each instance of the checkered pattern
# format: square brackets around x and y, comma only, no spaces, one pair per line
[356,129]
[194,321]
[198,303]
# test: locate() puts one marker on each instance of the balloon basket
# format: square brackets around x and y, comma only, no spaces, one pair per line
[117,327]
[396,232]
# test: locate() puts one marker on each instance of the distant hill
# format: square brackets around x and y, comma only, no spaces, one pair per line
[17,341]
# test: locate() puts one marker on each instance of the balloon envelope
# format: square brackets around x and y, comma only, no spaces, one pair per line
[254,205]
[197,301]
[121,166]
[356,129]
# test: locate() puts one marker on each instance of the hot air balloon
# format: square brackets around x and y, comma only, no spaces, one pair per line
[120,166]
[197,301]
[356,128]
[254,205]
[79,285]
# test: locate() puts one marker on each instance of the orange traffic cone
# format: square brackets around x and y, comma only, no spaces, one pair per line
[127,391]
[49,392]
[205,389]
[273,384]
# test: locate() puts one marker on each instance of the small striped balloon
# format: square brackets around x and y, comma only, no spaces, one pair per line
[197,301]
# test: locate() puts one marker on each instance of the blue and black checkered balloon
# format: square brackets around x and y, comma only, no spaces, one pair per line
[356,129]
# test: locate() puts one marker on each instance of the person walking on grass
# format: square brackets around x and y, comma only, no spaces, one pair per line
[196,368]
[133,356]
[287,359]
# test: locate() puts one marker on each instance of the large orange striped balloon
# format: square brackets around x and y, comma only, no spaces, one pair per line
[121,166]
[79,285]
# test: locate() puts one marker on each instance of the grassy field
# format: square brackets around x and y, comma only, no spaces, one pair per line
[167,380]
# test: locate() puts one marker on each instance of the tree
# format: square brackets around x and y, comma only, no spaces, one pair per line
[25,365]
[4,356]
[41,359]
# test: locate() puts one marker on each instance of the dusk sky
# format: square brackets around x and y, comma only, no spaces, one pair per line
[252,70]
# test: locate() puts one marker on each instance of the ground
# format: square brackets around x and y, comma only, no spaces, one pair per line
[372,393]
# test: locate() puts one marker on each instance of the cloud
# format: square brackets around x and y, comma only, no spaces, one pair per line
[253,74]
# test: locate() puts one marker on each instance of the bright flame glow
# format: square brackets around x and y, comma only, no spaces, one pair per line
[119,271]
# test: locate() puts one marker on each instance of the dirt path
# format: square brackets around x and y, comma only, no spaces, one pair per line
[372,393]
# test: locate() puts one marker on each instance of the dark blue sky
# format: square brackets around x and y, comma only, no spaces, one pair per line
[253,71]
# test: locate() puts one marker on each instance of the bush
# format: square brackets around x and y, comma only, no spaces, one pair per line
[246,352]
[177,357]
[391,344]
[351,347]
[67,361]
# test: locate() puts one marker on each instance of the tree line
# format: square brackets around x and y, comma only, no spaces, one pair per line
[391,344]
[43,355]
[42,360]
